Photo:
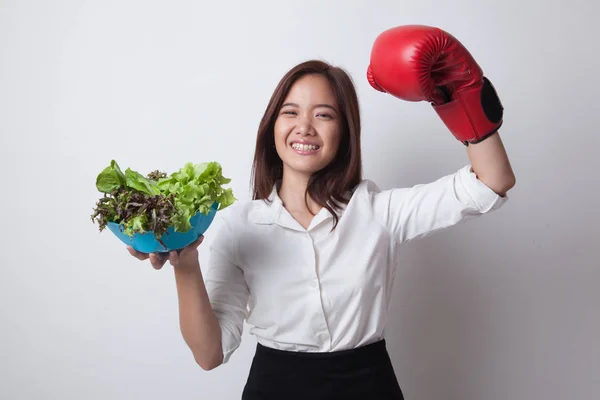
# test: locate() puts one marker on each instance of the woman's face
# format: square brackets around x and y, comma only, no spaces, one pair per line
[307,128]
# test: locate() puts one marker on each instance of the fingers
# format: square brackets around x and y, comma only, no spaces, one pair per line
[157,260]
[197,242]
[137,254]
[174,258]
[175,255]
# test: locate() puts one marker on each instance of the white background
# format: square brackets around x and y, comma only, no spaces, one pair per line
[503,307]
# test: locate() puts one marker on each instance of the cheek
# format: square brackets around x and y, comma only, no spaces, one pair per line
[334,139]
[279,130]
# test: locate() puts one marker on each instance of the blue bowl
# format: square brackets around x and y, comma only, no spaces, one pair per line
[146,242]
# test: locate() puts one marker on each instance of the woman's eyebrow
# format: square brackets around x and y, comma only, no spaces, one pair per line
[315,106]
[326,106]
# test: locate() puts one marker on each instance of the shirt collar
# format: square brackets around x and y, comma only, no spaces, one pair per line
[266,211]
[271,211]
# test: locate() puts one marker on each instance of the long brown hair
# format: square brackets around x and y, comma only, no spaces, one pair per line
[327,187]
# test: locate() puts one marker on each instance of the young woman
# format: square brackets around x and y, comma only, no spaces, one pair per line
[310,262]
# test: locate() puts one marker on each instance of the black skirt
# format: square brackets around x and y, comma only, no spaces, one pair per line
[364,373]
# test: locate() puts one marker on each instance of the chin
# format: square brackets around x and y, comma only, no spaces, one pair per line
[305,169]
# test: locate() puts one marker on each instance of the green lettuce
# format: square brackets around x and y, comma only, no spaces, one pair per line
[111,179]
[155,202]
[196,187]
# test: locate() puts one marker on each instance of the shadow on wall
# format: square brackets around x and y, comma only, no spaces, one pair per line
[435,313]
[446,304]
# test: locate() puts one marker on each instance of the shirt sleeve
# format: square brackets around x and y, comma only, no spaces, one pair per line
[227,289]
[418,211]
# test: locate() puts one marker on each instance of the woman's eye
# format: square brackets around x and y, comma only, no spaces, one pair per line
[289,112]
[324,115]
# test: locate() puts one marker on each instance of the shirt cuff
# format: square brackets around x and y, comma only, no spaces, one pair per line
[470,190]
[229,343]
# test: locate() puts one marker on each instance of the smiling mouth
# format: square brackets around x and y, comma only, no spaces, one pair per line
[305,148]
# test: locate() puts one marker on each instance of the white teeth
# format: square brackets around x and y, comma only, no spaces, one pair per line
[304,147]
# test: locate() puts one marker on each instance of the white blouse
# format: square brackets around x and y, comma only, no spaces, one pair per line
[317,290]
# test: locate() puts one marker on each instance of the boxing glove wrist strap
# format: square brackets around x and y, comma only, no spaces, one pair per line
[474,114]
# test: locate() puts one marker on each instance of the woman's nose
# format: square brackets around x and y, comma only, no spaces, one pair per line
[304,126]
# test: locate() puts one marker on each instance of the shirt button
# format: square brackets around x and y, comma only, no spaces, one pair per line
[314,283]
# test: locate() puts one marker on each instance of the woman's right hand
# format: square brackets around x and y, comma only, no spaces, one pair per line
[188,256]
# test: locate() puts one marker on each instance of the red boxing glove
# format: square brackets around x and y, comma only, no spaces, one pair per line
[423,63]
